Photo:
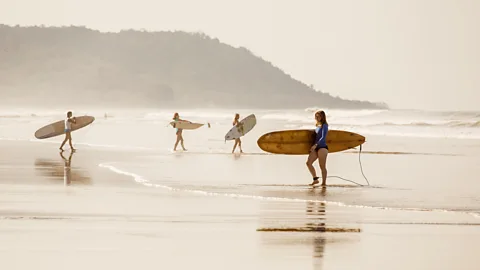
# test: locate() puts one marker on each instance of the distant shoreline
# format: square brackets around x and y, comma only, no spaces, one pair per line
[77,65]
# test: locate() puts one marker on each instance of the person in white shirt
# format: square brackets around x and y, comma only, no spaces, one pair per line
[68,129]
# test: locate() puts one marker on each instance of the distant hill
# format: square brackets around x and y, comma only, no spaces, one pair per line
[76,65]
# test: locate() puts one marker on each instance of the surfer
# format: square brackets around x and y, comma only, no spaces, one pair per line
[237,141]
[176,117]
[320,149]
[68,131]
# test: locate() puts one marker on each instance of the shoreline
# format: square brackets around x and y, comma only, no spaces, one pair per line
[113,221]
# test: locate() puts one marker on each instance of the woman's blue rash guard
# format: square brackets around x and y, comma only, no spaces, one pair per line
[321,135]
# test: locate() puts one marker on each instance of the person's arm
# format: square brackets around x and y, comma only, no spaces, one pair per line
[324,134]
[72,120]
[181,120]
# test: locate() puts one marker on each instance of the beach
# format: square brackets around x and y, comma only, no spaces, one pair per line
[125,200]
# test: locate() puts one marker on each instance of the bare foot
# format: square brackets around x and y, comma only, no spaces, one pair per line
[61,149]
[314,182]
[324,184]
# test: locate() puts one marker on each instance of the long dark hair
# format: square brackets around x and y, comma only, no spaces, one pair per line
[235,119]
[323,118]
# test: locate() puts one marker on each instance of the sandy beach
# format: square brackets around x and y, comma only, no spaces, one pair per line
[108,220]
[125,209]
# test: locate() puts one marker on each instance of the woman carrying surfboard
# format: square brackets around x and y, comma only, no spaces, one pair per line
[320,149]
[68,131]
[237,140]
[176,117]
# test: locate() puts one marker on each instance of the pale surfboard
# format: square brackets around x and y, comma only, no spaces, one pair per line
[185,125]
[58,128]
[242,128]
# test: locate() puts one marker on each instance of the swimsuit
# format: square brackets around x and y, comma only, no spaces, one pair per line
[321,137]
[68,125]
[176,129]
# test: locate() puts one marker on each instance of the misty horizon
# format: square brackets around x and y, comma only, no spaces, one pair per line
[410,55]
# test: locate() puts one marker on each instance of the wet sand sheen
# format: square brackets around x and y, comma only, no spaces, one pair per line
[105,219]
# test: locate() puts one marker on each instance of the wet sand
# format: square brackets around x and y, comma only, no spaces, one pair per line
[100,219]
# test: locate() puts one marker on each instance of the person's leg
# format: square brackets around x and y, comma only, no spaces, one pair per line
[177,141]
[311,158]
[240,145]
[64,141]
[181,142]
[235,145]
[70,141]
[322,161]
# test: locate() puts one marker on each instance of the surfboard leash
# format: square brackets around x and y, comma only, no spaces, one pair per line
[360,162]
[361,170]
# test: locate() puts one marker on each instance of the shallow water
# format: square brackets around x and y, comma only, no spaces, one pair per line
[407,172]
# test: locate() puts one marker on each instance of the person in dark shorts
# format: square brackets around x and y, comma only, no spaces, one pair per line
[320,149]
[68,131]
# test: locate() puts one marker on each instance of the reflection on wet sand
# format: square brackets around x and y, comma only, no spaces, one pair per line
[67,173]
[314,220]
[57,170]
[316,209]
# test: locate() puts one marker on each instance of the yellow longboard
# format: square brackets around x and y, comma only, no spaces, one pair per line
[299,142]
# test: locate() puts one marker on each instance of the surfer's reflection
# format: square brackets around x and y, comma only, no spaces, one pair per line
[56,170]
[237,156]
[67,173]
[316,212]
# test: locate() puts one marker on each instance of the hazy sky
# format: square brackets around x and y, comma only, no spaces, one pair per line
[422,54]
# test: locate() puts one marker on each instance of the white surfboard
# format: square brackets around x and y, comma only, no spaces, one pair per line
[242,128]
[58,128]
[185,125]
